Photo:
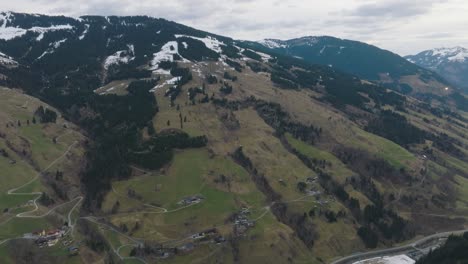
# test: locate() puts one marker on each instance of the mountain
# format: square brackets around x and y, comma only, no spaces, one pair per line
[451,63]
[158,142]
[363,60]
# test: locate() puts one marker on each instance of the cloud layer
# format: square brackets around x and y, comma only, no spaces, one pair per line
[401,26]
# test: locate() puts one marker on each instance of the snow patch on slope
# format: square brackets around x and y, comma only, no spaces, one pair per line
[8,33]
[167,53]
[265,57]
[58,43]
[272,43]
[43,30]
[82,36]
[7,60]
[210,42]
[167,82]
[120,57]
[52,47]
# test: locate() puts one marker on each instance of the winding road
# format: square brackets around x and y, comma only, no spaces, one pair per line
[36,207]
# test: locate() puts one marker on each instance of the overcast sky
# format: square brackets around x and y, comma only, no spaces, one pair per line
[402,26]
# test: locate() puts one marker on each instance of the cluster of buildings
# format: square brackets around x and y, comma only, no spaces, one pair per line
[195,199]
[207,236]
[46,238]
[241,222]
[209,233]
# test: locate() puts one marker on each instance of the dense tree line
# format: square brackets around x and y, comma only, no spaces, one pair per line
[231,51]
[45,115]
[158,151]
[257,66]
[184,74]
[448,144]
[126,71]
[230,77]
[260,181]
[396,128]
[274,116]
[193,91]
[226,88]
[453,251]
[283,79]
[115,130]
[211,79]
[237,66]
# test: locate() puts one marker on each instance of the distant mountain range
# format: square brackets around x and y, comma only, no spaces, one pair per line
[43,41]
[451,63]
[363,60]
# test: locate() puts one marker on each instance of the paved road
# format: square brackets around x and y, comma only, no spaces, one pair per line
[396,250]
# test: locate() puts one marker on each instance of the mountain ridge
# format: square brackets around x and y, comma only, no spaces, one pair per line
[452,63]
[363,60]
[204,148]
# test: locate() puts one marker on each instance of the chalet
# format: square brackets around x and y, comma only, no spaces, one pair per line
[198,236]
[191,200]
[49,238]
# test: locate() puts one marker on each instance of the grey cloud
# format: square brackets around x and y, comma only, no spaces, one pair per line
[375,21]
[394,8]
[437,35]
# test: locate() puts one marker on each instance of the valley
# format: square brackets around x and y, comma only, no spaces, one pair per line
[161,143]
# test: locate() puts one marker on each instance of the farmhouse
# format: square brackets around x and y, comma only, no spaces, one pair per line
[191,200]
[43,237]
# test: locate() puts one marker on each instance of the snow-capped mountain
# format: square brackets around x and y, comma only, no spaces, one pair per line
[106,48]
[102,48]
[435,57]
[451,63]
[358,58]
